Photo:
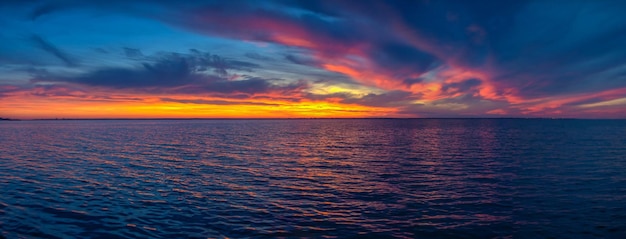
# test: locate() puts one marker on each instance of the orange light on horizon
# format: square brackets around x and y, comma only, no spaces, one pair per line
[37,108]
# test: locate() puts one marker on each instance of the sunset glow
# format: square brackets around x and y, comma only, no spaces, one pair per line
[318,59]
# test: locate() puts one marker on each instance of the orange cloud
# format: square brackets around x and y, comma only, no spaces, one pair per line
[28,106]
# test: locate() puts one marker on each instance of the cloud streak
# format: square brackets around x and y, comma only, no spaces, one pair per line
[174,73]
[414,58]
[41,43]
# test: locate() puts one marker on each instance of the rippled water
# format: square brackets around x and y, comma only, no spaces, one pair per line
[422,178]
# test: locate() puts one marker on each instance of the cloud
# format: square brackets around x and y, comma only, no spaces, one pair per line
[215,102]
[44,9]
[460,87]
[7,90]
[408,82]
[251,86]
[389,99]
[169,71]
[453,57]
[257,56]
[50,48]
[219,64]
[461,106]
[553,49]
[396,56]
[301,60]
[132,52]
[165,69]
[176,73]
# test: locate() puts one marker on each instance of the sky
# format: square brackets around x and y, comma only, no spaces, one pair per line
[312,59]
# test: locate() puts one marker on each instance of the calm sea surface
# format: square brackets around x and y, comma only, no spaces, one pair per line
[379,178]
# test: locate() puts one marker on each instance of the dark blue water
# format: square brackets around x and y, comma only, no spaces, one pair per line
[433,178]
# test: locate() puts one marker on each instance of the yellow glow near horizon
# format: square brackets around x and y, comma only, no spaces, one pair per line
[614,102]
[340,88]
[149,108]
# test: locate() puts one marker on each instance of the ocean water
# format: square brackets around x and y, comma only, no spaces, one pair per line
[356,178]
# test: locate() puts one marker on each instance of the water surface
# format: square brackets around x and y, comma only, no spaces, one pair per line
[378,178]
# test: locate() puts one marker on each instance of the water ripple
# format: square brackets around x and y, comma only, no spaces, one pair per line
[313,179]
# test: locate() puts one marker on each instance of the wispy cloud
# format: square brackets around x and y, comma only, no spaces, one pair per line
[180,74]
[41,43]
[416,58]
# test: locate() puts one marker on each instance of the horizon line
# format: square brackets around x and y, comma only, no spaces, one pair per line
[306,118]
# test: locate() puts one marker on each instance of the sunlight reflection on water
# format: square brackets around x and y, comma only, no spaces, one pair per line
[432,178]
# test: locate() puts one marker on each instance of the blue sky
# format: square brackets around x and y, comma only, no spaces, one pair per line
[313,59]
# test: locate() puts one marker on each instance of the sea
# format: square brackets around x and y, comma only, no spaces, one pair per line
[313,178]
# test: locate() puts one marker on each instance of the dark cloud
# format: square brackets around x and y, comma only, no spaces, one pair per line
[551,48]
[165,70]
[50,48]
[388,99]
[530,49]
[410,81]
[179,73]
[219,64]
[7,90]
[75,92]
[537,47]
[461,87]
[172,70]
[399,56]
[321,97]
[215,102]
[251,21]
[44,9]
[132,52]
[462,106]
[250,86]
[301,60]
